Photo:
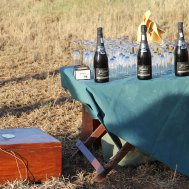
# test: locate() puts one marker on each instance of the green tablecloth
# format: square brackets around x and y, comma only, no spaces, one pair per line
[153,115]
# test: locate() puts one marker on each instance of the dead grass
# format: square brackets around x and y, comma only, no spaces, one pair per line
[35,36]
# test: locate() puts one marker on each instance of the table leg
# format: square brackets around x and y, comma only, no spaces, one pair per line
[96,135]
[90,157]
[102,171]
[113,162]
[93,130]
[88,124]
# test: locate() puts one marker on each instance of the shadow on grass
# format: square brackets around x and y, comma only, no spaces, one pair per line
[38,76]
[17,111]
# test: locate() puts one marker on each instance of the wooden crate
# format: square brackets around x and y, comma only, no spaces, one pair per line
[31,154]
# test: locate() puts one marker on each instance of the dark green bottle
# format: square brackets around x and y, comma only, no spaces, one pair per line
[181,54]
[144,60]
[101,70]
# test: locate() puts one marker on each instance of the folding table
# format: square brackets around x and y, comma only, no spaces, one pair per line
[152,115]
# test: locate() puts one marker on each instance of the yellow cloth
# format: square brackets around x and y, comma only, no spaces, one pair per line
[154,32]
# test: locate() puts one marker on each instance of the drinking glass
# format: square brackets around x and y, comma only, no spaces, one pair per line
[76,57]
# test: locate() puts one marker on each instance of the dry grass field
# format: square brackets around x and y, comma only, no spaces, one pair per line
[35,38]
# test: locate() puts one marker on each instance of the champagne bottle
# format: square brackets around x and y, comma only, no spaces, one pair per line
[181,54]
[101,71]
[144,61]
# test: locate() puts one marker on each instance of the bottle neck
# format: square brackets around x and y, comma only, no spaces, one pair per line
[100,40]
[143,38]
[181,42]
[144,43]
[180,35]
[100,44]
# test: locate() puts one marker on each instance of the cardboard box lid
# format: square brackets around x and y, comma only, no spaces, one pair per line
[26,137]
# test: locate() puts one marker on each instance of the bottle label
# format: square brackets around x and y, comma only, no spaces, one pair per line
[102,73]
[144,47]
[101,49]
[182,44]
[182,67]
[143,71]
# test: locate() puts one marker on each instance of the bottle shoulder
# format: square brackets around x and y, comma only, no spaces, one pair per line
[100,60]
[180,50]
[142,53]
[100,55]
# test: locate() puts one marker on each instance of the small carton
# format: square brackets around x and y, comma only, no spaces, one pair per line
[82,72]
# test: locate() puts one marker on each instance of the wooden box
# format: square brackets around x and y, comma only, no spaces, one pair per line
[29,153]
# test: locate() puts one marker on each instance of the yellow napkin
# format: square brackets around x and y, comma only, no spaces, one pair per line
[154,32]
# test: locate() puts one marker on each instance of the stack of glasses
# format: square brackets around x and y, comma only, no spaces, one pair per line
[122,55]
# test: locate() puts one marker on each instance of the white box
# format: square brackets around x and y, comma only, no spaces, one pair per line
[82,72]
